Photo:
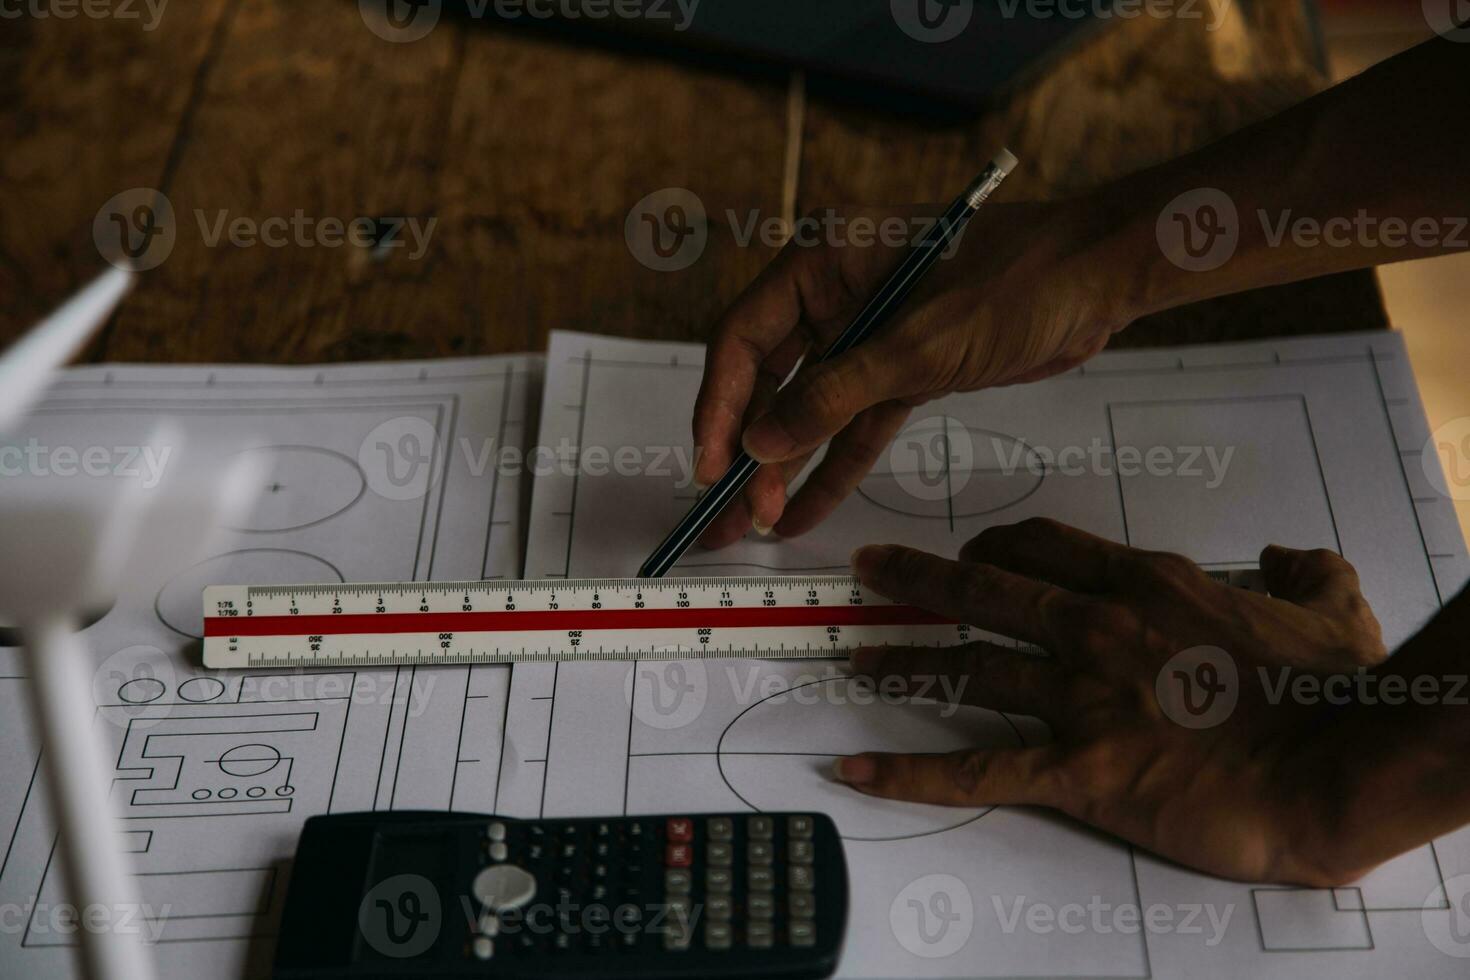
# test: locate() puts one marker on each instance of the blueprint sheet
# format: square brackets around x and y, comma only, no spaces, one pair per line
[1309,443]
[373,473]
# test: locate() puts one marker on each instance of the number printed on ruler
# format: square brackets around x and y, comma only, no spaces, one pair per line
[514,622]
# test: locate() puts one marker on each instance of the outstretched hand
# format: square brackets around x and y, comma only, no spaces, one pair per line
[1162,689]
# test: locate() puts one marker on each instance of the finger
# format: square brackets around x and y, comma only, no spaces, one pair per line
[1320,580]
[981,595]
[765,494]
[820,402]
[972,777]
[1050,551]
[981,674]
[737,518]
[754,327]
[763,500]
[730,526]
[849,459]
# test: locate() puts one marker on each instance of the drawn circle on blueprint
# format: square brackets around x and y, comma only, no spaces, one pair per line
[127,684]
[937,468]
[201,794]
[201,689]
[246,761]
[285,790]
[141,690]
[770,753]
[228,793]
[255,792]
[303,486]
[179,605]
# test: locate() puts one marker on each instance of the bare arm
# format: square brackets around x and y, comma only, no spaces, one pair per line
[1372,171]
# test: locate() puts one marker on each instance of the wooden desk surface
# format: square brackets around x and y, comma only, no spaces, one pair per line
[530,152]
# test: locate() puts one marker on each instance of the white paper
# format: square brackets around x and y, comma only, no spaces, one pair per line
[1327,436]
[376,473]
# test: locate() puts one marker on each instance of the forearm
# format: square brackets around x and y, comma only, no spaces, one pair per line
[1375,170]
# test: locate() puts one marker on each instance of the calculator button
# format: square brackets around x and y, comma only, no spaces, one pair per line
[801,877]
[717,908]
[802,932]
[718,935]
[760,935]
[679,856]
[678,882]
[803,905]
[498,851]
[496,831]
[762,879]
[800,852]
[799,828]
[503,886]
[760,828]
[484,948]
[760,853]
[761,905]
[721,829]
[562,942]
[489,925]
[720,855]
[680,830]
[718,880]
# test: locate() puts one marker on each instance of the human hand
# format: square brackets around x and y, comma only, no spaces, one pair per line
[1016,301]
[1253,792]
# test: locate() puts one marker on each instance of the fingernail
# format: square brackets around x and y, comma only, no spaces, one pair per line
[700,486]
[761,529]
[855,770]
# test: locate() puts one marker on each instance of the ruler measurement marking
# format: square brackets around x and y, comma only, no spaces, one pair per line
[479,622]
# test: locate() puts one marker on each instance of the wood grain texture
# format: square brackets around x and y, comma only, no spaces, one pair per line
[88,108]
[529,154]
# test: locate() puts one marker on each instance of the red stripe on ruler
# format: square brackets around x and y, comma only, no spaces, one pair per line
[563,620]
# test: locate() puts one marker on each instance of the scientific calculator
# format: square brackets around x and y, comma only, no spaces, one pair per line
[431,895]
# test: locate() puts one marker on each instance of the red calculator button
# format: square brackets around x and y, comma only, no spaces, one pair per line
[679,856]
[680,830]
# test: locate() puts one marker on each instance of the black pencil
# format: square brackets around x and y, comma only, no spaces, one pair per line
[921,258]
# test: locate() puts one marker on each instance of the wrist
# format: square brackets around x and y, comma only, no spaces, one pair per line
[1127,251]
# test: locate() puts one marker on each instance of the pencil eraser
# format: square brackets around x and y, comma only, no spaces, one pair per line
[1005,161]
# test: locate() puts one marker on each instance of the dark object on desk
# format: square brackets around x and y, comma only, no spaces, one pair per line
[931,56]
[434,895]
